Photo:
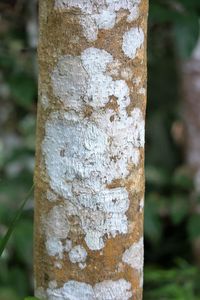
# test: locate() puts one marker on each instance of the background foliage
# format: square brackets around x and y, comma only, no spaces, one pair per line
[170,226]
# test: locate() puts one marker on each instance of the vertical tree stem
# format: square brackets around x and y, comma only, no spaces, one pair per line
[89,174]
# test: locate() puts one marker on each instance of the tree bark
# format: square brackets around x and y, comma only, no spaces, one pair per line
[190,75]
[89,175]
[190,82]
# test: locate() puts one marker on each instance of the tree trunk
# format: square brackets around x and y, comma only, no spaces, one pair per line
[190,79]
[89,176]
[190,74]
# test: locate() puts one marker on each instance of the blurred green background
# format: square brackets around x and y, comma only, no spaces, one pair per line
[172,220]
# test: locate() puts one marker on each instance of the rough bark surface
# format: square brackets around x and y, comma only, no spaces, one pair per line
[89,174]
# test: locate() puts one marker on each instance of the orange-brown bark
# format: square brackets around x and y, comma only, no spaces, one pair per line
[95,205]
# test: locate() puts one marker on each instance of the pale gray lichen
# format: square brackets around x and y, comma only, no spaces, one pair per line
[141,205]
[80,171]
[77,175]
[80,81]
[69,81]
[54,247]
[82,155]
[100,14]
[142,91]
[56,223]
[44,101]
[133,39]
[78,254]
[134,256]
[105,290]
[56,228]
[68,245]
[113,290]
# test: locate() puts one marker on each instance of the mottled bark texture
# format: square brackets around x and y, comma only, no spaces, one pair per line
[89,174]
[190,82]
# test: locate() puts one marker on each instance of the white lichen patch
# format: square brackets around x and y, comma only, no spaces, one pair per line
[132,41]
[104,214]
[80,171]
[128,129]
[90,30]
[58,265]
[80,81]
[134,13]
[56,223]
[78,254]
[81,175]
[137,80]
[120,268]
[113,290]
[44,101]
[82,155]
[141,279]
[68,245]
[134,256]
[141,205]
[101,14]
[142,91]
[72,290]
[53,284]
[127,73]
[82,266]
[54,247]
[56,228]
[105,19]
[69,81]
[100,85]
[40,293]
[106,290]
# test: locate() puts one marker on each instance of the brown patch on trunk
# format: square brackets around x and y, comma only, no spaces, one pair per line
[88,110]
[112,104]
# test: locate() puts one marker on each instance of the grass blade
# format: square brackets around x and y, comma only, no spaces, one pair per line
[12,226]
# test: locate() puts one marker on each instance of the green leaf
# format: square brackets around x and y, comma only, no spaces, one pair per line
[31,298]
[192,5]
[179,209]
[182,179]
[7,293]
[12,226]
[162,14]
[152,223]
[186,33]
[23,89]
[176,283]
[156,176]
[22,239]
[18,280]
[193,227]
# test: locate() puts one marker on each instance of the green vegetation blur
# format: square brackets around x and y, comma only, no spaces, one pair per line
[171,272]
[18,99]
